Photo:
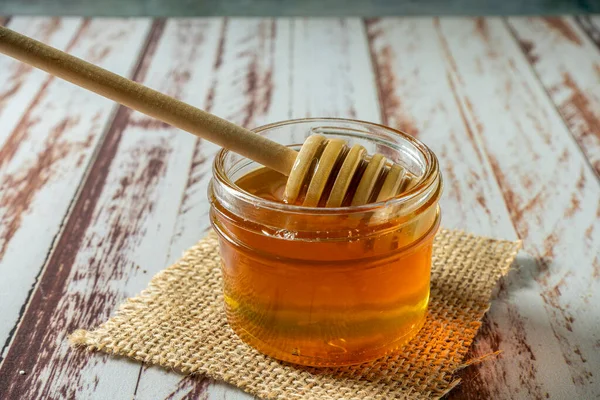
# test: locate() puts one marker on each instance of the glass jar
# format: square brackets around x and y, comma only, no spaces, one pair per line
[327,286]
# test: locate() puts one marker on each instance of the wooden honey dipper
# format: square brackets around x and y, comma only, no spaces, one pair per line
[374,177]
[320,160]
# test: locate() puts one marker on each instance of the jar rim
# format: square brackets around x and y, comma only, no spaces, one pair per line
[430,177]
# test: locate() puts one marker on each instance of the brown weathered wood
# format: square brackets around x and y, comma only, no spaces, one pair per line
[49,132]
[554,202]
[568,65]
[20,83]
[71,121]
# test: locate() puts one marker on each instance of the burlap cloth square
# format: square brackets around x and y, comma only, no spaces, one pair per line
[179,322]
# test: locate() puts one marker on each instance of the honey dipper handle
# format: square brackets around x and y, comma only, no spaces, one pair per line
[147,101]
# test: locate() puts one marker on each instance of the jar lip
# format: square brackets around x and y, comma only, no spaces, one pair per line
[430,177]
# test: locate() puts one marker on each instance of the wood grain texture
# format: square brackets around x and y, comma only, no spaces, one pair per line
[554,202]
[334,78]
[266,71]
[568,65]
[50,130]
[20,83]
[416,100]
[463,86]
[44,160]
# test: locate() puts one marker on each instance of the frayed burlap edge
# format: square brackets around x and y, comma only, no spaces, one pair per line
[178,322]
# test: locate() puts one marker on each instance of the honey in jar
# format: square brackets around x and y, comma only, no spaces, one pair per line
[325,286]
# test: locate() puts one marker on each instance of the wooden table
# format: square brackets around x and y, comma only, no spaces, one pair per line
[95,199]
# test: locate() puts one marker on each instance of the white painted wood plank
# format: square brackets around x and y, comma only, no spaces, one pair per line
[568,65]
[20,83]
[45,150]
[554,199]
[416,97]
[331,70]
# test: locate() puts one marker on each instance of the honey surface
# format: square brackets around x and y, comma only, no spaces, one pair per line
[311,301]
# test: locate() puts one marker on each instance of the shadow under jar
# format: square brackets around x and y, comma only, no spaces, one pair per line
[326,286]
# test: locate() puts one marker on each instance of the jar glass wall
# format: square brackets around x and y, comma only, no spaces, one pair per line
[327,286]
